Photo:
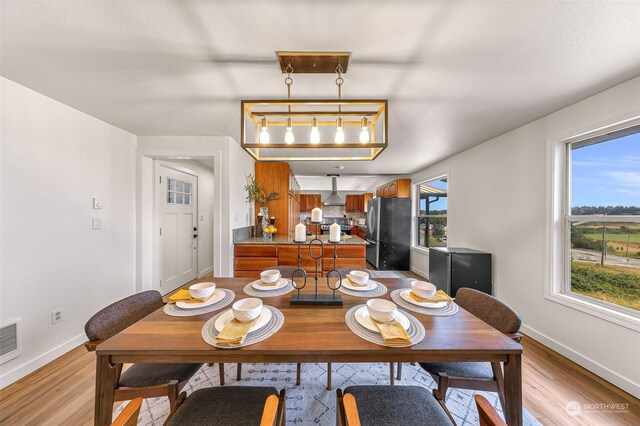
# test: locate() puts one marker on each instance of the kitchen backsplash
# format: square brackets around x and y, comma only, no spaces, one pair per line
[335,211]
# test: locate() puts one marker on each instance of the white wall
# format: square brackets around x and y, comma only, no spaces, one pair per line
[230,209]
[54,160]
[498,197]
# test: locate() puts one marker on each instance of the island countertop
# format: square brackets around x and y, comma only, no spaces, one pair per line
[284,240]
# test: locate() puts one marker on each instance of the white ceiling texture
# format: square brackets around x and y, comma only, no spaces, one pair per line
[456,73]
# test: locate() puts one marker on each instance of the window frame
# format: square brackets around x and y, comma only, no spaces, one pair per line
[558,259]
[416,211]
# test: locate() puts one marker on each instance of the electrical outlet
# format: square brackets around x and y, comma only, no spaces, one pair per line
[97,223]
[97,203]
[56,316]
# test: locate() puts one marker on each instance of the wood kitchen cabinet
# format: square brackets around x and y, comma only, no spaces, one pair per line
[358,231]
[309,202]
[357,202]
[286,209]
[399,188]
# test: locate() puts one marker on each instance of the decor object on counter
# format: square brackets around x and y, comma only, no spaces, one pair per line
[267,127]
[315,298]
[334,233]
[300,234]
[316,215]
[258,194]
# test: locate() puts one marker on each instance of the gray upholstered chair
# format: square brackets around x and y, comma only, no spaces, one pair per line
[377,405]
[477,375]
[229,406]
[139,380]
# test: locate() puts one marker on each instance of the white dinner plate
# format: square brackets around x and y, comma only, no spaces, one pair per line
[259,285]
[363,318]
[227,316]
[215,298]
[437,305]
[371,285]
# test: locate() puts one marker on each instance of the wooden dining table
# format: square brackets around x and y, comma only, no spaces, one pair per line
[310,333]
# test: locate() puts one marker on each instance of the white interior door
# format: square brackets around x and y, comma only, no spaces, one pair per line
[177,215]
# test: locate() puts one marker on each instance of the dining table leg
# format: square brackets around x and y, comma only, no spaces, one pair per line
[513,390]
[105,386]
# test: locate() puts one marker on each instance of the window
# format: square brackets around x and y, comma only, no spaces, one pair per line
[431,214]
[178,192]
[602,220]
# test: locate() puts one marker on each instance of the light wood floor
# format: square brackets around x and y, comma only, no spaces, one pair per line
[61,393]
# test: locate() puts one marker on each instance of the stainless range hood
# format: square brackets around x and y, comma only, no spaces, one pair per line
[334,199]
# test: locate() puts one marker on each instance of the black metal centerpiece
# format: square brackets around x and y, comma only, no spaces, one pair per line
[315,298]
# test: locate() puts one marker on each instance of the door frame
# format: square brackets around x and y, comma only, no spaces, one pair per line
[156,220]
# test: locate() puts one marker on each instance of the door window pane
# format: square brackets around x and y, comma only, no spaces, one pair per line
[179,196]
[187,199]
[432,213]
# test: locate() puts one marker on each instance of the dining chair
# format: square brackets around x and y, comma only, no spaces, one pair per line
[129,416]
[488,415]
[483,376]
[383,405]
[229,406]
[139,380]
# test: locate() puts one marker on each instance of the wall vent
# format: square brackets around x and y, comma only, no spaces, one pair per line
[10,342]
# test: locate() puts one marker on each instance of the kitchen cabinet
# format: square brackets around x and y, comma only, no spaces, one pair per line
[286,209]
[358,231]
[357,202]
[399,188]
[309,202]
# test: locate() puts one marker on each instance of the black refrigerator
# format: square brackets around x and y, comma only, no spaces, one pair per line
[453,268]
[389,233]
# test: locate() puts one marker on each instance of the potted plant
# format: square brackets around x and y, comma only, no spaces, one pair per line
[257,193]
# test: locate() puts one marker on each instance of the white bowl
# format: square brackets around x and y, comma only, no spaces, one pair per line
[270,276]
[202,290]
[381,310]
[423,289]
[247,310]
[359,277]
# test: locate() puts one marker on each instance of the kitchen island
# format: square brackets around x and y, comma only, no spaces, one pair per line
[253,255]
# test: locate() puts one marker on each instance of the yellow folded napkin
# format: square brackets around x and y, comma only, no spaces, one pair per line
[183,295]
[355,284]
[393,333]
[234,332]
[440,296]
[273,283]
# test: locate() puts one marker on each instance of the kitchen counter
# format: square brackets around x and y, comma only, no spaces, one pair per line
[283,240]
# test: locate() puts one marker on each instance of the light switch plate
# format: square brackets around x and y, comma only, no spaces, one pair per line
[201,218]
[97,203]
[97,223]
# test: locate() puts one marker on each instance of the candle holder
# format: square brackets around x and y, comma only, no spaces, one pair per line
[315,298]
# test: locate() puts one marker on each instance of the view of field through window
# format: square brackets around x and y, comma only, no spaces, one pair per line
[432,213]
[605,255]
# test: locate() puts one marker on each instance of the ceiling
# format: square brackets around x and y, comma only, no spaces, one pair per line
[456,73]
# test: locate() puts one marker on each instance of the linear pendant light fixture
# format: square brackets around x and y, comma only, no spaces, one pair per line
[270,132]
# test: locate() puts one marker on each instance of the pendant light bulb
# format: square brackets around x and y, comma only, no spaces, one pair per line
[315,133]
[288,136]
[364,132]
[264,133]
[339,131]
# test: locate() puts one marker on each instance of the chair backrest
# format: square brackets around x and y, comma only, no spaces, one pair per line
[119,315]
[487,414]
[129,416]
[489,309]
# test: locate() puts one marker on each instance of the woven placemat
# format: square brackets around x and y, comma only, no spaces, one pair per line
[249,290]
[450,309]
[380,290]
[209,331]
[172,310]
[416,329]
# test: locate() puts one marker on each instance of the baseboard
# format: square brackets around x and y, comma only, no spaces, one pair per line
[419,272]
[31,366]
[585,362]
[205,271]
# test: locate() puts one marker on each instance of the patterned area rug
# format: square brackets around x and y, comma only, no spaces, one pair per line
[311,403]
